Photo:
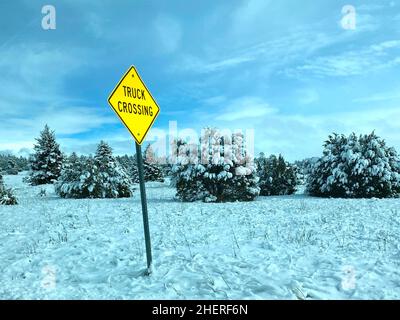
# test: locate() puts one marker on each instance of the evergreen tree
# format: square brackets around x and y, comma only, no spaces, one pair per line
[356,167]
[7,196]
[100,176]
[151,172]
[70,175]
[152,169]
[149,155]
[12,167]
[23,164]
[277,177]
[217,170]
[46,162]
[10,164]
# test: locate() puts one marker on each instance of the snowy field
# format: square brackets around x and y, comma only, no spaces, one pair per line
[293,247]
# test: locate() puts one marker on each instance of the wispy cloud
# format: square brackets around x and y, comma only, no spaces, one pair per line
[282,133]
[378,97]
[169,33]
[349,63]
[273,53]
[245,108]
[307,96]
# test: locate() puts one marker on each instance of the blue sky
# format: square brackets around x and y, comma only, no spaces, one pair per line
[286,69]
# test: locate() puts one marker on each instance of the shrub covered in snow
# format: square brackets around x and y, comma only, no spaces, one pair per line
[98,177]
[7,196]
[10,164]
[46,162]
[305,166]
[356,167]
[220,170]
[277,177]
[152,172]
[152,168]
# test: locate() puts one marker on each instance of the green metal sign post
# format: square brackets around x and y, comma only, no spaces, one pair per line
[144,206]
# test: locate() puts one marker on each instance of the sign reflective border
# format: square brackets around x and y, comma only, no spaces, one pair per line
[134,104]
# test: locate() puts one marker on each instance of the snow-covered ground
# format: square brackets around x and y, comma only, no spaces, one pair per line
[291,247]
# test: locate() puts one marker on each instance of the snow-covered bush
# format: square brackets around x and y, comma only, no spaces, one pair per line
[10,164]
[151,172]
[304,168]
[356,167]
[69,183]
[46,162]
[7,196]
[219,171]
[277,177]
[12,167]
[98,177]
[151,166]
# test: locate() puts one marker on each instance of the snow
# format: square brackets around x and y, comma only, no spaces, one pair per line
[287,247]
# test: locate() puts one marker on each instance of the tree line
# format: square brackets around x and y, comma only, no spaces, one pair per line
[350,167]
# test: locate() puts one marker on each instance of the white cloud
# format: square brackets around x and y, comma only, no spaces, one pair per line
[245,108]
[215,100]
[33,77]
[272,53]
[19,132]
[350,63]
[299,136]
[307,96]
[383,96]
[250,15]
[168,32]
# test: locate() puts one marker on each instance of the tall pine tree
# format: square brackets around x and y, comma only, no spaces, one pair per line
[46,162]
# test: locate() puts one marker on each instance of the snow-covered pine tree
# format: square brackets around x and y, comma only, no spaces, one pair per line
[115,181]
[152,173]
[187,173]
[12,167]
[46,162]
[7,196]
[124,161]
[277,177]
[177,164]
[10,164]
[22,163]
[149,155]
[100,176]
[356,167]
[152,169]
[230,174]
[129,165]
[223,172]
[69,180]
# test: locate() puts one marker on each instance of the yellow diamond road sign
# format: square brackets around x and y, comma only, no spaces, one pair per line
[134,104]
